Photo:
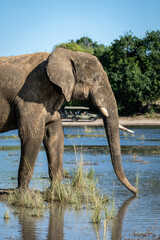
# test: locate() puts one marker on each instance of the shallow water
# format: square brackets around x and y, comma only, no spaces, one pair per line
[137,218]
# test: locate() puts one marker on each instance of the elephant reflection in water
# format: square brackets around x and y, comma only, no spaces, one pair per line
[56,223]
[30,231]
[117,227]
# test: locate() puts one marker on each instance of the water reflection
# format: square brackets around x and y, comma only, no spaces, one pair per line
[47,227]
[28,225]
[52,227]
[117,226]
[56,222]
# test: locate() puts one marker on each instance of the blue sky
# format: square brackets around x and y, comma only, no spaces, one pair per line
[28,26]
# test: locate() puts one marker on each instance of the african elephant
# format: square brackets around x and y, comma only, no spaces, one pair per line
[33,87]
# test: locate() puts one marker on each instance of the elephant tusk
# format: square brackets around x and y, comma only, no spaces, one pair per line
[104,111]
[125,129]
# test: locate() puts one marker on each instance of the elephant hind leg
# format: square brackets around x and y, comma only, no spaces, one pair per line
[54,145]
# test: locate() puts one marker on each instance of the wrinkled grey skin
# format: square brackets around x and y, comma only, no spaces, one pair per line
[32,89]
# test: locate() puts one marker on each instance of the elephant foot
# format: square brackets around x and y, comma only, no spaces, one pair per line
[59,175]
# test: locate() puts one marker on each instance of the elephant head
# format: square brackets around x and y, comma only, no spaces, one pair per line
[81,77]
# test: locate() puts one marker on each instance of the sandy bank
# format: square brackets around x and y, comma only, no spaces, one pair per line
[126,121]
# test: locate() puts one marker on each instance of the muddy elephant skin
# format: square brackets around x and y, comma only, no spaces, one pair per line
[33,88]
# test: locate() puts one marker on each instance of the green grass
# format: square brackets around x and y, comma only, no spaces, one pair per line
[6,215]
[142,137]
[81,191]
[77,191]
[28,199]
[137,178]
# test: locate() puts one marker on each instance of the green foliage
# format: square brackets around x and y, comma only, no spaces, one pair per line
[133,67]
[75,47]
[97,49]
[84,44]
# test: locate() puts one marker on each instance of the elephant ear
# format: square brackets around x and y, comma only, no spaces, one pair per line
[60,71]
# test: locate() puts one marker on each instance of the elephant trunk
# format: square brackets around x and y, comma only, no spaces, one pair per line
[111,125]
[104,99]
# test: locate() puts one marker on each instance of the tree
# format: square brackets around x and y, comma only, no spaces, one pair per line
[148,55]
[72,45]
[133,68]
[132,64]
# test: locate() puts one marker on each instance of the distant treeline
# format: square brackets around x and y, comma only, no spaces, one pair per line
[132,65]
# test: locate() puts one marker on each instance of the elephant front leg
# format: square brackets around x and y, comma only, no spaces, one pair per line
[54,145]
[30,146]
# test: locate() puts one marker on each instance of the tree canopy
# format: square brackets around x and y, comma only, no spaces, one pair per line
[132,65]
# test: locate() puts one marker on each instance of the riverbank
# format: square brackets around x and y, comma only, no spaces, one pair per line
[125,121]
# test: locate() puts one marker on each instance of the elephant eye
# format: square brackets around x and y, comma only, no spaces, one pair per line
[96,77]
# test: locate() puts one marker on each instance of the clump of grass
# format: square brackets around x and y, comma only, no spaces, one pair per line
[88,129]
[78,177]
[96,210]
[66,173]
[137,178]
[110,213]
[28,199]
[79,191]
[37,212]
[6,215]
[142,137]
[100,210]
[137,159]
[91,174]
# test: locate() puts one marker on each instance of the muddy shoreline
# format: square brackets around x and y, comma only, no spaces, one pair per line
[126,121]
